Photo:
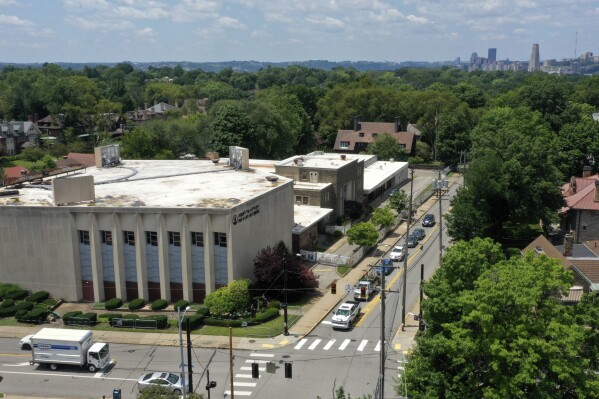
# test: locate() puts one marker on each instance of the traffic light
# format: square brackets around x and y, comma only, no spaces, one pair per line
[288,370]
[255,371]
[363,291]
[333,288]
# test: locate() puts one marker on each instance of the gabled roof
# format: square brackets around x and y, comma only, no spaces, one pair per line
[541,245]
[584,198]
[369,131]
[160,108]
[14,171]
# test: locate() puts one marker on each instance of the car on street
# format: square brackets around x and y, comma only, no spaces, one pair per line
[25,342]
[167,380]
[428,220]
[419,233]
[388,264]
[412,240]
[397,253]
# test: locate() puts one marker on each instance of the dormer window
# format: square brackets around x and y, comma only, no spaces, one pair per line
[344,144]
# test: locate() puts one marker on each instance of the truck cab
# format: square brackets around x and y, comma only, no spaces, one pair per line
[345,315]
[98,356]
[363,290]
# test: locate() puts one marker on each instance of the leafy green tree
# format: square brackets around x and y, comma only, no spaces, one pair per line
[239,294]
[512,338]
[271,263]
[385,147]
[578,146]
[399,201]
[383,217]
[234,297]
[230,126]
[363,233]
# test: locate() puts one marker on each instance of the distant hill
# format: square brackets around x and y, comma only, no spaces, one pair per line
[245,66]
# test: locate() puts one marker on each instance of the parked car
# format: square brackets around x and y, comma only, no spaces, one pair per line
[167,380]
[412,240]
[397,253]
[428,220]
[419,233]
[25,342]
[388,264]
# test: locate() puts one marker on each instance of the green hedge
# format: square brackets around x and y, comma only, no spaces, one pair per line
[66,318]
[203,311]
[261,317]
[159,304]
[161,320]
[17,294]
[12,310]
[113,303]
[33,316]
[266,315]
[274,304]
[136,304]
[50,302]
[79,318]
[7,303]
[38,296]
[182,304]
[110,316]
[194,321]
[130,316]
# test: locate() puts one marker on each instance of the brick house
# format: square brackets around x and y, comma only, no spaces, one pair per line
[581,211]
[17,135]
[364,133]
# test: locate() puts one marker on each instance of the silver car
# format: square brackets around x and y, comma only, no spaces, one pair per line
[167,380]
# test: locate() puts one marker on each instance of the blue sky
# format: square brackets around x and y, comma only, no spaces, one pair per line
[293,30]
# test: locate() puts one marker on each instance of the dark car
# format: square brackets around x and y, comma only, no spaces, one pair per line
[428,220]
[419,233]
[412,240]
[388,263]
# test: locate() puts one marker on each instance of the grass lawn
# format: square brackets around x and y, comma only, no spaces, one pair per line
[342,270]
[23,164]
[269,329]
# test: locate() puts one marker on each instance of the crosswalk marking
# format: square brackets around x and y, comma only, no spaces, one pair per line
[377,348]
[329,344]
[362,345]
[344,344]
[262,355]
[244,384]
[250,369]
[239,393]
[256,361]
[314,344]
[245,376]
[301,343]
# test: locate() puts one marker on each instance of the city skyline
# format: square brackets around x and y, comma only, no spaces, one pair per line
[292,30]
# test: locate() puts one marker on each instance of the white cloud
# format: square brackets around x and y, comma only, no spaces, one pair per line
[146,32]
[15,21]
[106,25]
[228,22]
[327,22]
[417,20]
[8,3]
[141,12]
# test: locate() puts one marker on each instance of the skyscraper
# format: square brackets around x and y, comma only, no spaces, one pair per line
[492,57]
[534,64]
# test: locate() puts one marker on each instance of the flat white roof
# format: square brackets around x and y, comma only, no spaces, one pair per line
[379,172]
[304,216]
[325,160]
[63,334]
[162,184]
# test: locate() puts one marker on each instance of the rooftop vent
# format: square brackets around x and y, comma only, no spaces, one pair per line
[272,178]
[343,156]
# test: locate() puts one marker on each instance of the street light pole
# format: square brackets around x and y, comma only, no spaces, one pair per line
[180,318]
[286,328]
[382,354]
[405,259]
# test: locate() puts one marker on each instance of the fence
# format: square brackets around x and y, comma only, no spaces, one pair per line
[135,323]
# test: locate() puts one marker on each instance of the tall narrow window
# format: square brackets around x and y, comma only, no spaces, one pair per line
[197,239]
[129,238]
[174,238]
[220,239]
[84,237]
[106,237]
[152,238]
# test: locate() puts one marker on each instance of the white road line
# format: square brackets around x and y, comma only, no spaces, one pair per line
[245,376]
[257,361]
[240,393]
[99,374]
[244,384]
[329,344]
[250,369]
[326,322]
[362,345]
[314,344]
[301,343]
[344,344]
[262,355]
[377,348]
[68,375]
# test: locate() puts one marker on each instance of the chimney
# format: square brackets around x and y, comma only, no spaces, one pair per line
[35,117]
[572,185]
[587,171]
[596,190]
[357,124]
[568,243]
[397,124]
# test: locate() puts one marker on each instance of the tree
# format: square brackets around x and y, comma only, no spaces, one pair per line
[363,233]
[383,217]
[512,338]
[234,297]
[385,147]
[271,263]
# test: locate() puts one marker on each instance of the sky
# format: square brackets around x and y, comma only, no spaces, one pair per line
[293,30]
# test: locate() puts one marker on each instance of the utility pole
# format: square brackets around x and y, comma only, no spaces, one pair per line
[439,185]
[382,360]
[405,259]
[286,328]
[421,295]
[189,365]
[231,361]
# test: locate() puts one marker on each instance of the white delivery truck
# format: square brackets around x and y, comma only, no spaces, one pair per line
[56,346]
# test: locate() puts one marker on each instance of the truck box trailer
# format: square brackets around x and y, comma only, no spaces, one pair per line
[56,346]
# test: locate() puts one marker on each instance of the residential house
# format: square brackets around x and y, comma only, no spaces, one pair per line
[581,211]
[17,135]
[156,111]
[357,140]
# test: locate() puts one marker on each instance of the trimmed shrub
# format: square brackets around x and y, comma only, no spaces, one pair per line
[7,303]
[113,303]
[6,288]
[159,304]
[34,316]
[91,316]
[17,294]
[203,311]
[130,316]
[182,304]
[19,314]
[66,318]
[194,321]
[50,302]
[38,296]
[161,320]
[211,321]
[274,304]
[136,304]
[266,315]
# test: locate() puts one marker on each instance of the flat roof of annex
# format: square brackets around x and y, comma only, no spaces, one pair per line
[323,160]
[161,184]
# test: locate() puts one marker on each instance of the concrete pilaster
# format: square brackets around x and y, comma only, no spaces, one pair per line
[118,258]
[186,259]
[140,258]
[163,263]
[209,254]
[96,258]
